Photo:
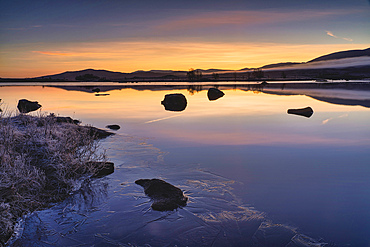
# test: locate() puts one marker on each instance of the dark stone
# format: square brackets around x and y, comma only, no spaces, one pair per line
[214,93]
[113,127]
[102,168]
[306,112]
[97,133]
[165,196]
[67,120]
[102,94]
[174,102]
[26,106]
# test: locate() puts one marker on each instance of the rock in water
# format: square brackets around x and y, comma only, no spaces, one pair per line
[26,106]
[102,168]
[174,102]
[306,112]
[214,93]
[113,127]
[166,197]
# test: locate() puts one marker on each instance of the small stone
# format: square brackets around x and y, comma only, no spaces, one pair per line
[165,196]
[113,127]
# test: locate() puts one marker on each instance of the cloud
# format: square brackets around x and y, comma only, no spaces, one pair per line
[335,63]
[334,36]
[219,18]
[54,53]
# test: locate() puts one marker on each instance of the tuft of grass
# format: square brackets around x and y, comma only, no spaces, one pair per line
[41,161]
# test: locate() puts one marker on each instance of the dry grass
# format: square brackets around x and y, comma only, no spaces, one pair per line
[41,161]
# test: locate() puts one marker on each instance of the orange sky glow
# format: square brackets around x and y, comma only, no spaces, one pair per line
[33,60]
[171,35]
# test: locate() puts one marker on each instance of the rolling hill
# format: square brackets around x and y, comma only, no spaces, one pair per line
[351,64]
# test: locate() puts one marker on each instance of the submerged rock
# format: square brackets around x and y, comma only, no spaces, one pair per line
[174,102]
[214,93]
[67,120]
[26,106]
[166,197]
[102,94]
[306,112]
[97,133]
[113,127]
[102,168]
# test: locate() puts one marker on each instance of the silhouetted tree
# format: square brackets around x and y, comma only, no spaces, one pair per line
[216,76]
[257,73]
[191,74]
[198,75]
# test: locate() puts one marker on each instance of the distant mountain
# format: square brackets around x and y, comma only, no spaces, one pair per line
[103,75]
[277,65]
[342,54]
[71,75]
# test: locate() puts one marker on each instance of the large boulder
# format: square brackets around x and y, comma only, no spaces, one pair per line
[165,196]
[174,102]
[26,106]
[305,112]
[214,93]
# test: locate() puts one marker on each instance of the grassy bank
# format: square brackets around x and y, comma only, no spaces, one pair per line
[41,161]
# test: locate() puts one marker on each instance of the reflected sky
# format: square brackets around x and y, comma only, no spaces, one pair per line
[311,173]
[239,118]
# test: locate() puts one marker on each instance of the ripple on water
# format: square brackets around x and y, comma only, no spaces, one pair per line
[114,211]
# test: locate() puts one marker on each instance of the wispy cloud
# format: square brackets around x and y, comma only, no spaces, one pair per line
[219,18]
[335,36]
[54,53]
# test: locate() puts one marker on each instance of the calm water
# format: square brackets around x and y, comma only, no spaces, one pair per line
[248,168]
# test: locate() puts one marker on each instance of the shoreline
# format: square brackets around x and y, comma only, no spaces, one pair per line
[42,159]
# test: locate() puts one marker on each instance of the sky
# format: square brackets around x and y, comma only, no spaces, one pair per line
[43,37]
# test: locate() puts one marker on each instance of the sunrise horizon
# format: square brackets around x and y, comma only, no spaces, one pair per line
[42,38]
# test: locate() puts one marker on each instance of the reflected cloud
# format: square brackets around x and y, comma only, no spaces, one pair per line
[161,119]
[330,119]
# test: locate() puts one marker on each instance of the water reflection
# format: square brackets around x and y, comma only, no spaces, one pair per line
[310,172]
[120,215]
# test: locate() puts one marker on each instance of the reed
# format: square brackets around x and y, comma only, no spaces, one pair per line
[41,162]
